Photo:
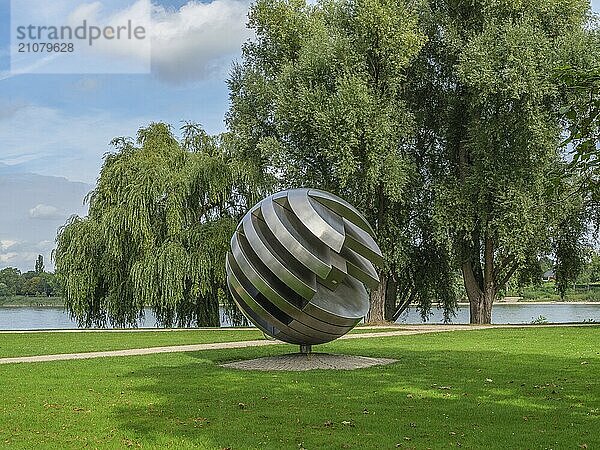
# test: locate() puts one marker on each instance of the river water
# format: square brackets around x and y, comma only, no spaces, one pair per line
[29,318]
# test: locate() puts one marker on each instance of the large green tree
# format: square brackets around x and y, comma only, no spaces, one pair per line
[319,99]
[487,105]
[159,224]
[11,278]
[439,119]
[582,114]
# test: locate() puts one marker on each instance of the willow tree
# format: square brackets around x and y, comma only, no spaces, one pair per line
[158,228]
[487,107]
[319,99]
[582,115]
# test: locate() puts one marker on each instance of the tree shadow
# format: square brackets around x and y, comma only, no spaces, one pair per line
[429,398]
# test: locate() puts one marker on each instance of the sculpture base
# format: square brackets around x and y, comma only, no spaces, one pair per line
[306,349]
[308,361]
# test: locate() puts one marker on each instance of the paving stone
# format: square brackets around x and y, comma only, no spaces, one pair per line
[300,362]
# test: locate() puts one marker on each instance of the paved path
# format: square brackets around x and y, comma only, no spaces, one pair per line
[402,331]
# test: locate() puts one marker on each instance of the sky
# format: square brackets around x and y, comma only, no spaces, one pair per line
[61,125]
[55,128]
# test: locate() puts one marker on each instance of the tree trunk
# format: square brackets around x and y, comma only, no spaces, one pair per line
[391,298]
[481,308]
[403,306]
[481,287]
[377,311]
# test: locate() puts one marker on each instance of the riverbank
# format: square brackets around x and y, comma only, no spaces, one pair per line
[542,295]
[56,302]
[536,302]
[18,301]
[42,302]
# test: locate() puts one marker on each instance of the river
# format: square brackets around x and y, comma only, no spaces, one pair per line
[31,318]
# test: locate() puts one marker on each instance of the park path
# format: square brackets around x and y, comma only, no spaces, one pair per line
[402,331]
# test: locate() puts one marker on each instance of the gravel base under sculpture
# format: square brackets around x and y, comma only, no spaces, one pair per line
[312,361]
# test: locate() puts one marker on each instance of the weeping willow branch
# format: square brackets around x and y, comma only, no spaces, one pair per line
[159,224]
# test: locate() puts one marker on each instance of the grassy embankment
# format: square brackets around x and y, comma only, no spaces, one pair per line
[49,343]
[546,292]
[496,388]
[22,300]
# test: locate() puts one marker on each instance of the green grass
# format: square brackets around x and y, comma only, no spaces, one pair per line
[32,344]
[22,300]
[499,388]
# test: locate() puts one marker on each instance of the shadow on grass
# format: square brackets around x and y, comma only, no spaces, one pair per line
[444,391]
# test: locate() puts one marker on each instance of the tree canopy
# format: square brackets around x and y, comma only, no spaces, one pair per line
[32,283]
[159,224]
[443,121]
[439,119]
[319,98]
[493,136]
[582,116]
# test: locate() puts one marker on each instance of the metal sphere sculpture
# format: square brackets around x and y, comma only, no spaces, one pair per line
[298,266]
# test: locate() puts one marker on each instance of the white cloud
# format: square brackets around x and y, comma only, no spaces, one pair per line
[6,244]
[23,235]
[127,54]
[87,85]
[45,245]
[7,258]
[198,40]
[19,159]
[44,212]
[193,43]
[21,254]
[85,11]
[9,108]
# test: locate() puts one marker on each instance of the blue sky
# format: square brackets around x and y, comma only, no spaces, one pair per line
[55,129]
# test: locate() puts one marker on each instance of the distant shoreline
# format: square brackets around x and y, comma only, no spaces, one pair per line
[511,302]
[534,302]
[33,306]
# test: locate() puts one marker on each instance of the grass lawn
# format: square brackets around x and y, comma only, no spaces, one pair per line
[32,344]
[498,388]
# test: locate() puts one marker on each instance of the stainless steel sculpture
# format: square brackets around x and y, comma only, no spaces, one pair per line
[298,266]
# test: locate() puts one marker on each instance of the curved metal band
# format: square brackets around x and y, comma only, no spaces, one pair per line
[299,319]
[321,222]
[341,207]
[303,283]
[247,301]
[286,327]
[280,223]
[362,243]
